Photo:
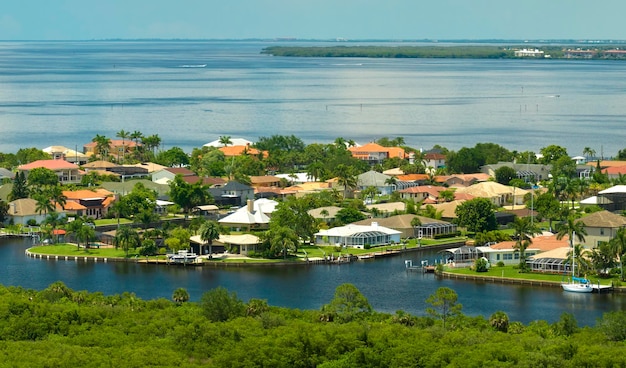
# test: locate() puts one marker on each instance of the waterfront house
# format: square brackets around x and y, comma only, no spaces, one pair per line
[231,151]
[429,228]
[67,172]
[434,161]
[427,194]
[23,210]
[118,148]
[530,173]
[233,142]
[254,216]
[326,214]
[601,227]
[358,236]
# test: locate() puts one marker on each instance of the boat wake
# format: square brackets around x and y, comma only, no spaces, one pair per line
[193,66]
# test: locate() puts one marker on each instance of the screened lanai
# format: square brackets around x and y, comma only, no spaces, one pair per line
[431,229]
[358,236]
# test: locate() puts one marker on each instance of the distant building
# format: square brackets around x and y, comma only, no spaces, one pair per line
[534,53]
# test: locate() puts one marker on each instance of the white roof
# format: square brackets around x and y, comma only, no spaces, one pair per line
[263,205]
[590,200]
[244,217]
[352,229]
[235,142]
[300,177]
[242,239]
[162,203]
[614,189]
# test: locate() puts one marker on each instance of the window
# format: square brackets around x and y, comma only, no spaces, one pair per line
[507,256]
[601,231]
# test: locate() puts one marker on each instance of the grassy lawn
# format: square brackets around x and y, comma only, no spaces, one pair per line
[112,221]
[510,272]
[73,250]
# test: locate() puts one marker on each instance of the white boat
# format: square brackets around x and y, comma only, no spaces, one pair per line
[576,284]
[183,257]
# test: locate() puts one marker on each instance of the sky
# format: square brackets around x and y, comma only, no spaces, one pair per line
[313,19]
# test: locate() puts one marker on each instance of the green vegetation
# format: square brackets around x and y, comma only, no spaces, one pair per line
[476,52]
[60,327]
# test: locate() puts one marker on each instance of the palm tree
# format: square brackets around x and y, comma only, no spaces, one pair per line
[180,296]
[572,227]
[415,223]
[84,233]
[225,140]
[103,144]
[57,196]
[524,231]
[588,152]
[122,134]
[618,248]
[209,231]
[136,136]
[346,178]
[126,237]
[43,203]
[579,253]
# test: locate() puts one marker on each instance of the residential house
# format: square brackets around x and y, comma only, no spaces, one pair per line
[374,153]
[462,180]
[530,173]
[67,154]
[434,160]
[231,151]
[21,211]
[428,229]
[233,142]
[253,216]
[377,180]
[500,195]
[358,236]
[615,172]
[164,176]
[123,188]
[232,193]
[612,199]
[296,178]
[118,148]
[601,227]
[67,172]
[326,214]
[6,174]
[428,194]
[91,203]
[265,181]
[386,209]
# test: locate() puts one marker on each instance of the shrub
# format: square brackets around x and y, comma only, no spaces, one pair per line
[500,264]
[481,265]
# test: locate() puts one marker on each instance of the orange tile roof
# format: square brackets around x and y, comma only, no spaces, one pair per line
[542,243]
[53,165]
[614,170]
[412,177]
[239,150]
[86,193]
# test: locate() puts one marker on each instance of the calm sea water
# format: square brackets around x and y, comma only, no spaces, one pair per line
[190,93]
[385,282]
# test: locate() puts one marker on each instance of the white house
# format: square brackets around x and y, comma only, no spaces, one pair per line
[358,236]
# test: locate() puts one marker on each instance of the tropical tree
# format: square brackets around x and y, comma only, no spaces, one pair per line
[548,207]
[57,197]
[123,135]
[346,178]
[209,231]
[225,140]
[103,145]
[43,203]
[582,257]
[524,231]
[499,321]
[444,304]
[618,248]
[415,223]
[187,196]
[602,259]
[180,296]
[126,237]
[588,152]
[83,233]
[572,227]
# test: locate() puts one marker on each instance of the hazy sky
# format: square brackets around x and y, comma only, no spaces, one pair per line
[312,19]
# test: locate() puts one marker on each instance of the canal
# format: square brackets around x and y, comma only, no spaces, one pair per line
[385,282]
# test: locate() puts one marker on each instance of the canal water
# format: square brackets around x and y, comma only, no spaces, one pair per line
[385,282]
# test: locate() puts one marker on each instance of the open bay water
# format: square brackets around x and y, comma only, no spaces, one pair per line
[385,282]
[192,92]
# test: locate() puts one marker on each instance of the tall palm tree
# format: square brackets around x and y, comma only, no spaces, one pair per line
[225,140]
[524,231]
[579,253]
[415,223]
[122,134]
[588,152]
[43,203]
[103,145]
[572,227]
[346,178]
[57,197]
[84,233]
[618,248]
[209,231]
[126,237]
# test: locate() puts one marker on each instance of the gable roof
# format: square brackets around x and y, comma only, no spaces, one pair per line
[235,142]
[489,189]
[614,189]
[399,221]
[4,173]
[23,207]
[332,212]
[100,164]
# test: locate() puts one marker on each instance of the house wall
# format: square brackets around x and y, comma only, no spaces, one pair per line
[597,235]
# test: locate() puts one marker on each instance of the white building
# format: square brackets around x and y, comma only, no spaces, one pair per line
[358,235]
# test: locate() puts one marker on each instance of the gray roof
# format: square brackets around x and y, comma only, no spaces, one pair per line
[372,178]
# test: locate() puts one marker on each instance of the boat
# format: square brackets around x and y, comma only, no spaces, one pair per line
[182,257]
[576,284]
